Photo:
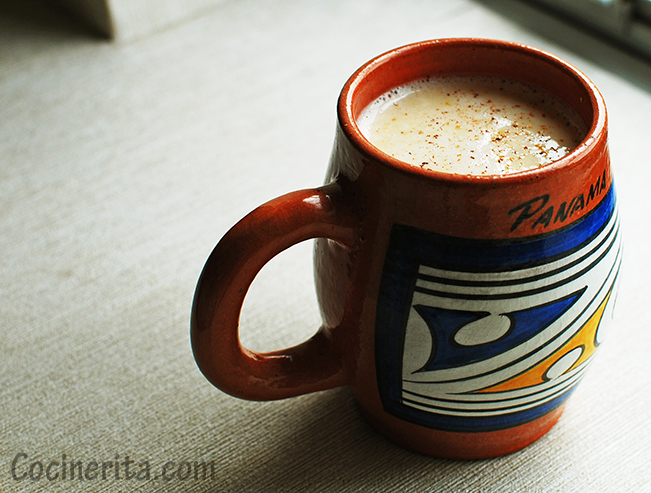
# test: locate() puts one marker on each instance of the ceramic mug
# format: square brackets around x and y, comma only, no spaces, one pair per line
[407,259]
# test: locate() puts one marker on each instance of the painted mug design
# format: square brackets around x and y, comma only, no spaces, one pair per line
[482,335]
[461,310]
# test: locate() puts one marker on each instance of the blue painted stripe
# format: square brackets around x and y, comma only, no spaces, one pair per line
[451,253]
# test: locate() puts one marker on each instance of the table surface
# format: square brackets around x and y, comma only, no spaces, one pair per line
[122,164]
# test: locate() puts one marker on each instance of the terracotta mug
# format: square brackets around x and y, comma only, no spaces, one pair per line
[407,259]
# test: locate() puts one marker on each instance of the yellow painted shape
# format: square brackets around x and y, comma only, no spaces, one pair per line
[534,376]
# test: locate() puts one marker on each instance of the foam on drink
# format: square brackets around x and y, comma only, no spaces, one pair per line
[472,125]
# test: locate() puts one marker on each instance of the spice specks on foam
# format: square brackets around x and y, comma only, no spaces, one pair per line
[472,125]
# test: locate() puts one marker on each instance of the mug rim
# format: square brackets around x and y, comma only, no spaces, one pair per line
[596,133]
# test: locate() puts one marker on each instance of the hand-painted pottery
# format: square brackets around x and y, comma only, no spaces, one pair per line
[462,310]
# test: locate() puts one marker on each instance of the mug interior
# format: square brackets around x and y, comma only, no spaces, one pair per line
[471,57]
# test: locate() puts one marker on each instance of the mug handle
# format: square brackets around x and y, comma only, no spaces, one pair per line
[316,364]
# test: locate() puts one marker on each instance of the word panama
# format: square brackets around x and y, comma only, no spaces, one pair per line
[536,207]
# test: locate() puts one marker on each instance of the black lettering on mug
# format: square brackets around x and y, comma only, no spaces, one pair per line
[526,212]
[533,207]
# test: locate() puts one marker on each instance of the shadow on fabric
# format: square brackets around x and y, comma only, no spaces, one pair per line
[600,50]
[32,17]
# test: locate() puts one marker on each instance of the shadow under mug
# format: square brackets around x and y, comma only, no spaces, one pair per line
[407,259]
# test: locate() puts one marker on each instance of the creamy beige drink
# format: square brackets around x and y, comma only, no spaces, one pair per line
[472,125]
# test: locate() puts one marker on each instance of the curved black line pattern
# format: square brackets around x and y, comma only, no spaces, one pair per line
[524,280]
[519,294]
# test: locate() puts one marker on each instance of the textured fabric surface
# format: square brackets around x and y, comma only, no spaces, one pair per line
[133,19]
[126,20]
[121,166]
